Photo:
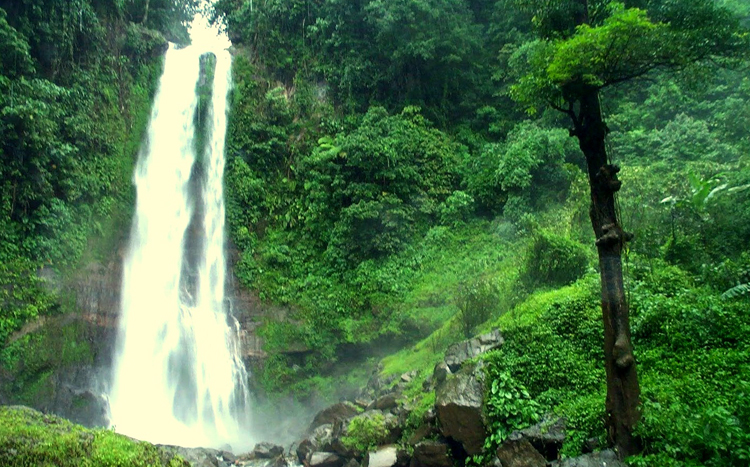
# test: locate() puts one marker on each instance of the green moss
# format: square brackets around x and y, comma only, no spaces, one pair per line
[32,360]
[365,432]
[29,438]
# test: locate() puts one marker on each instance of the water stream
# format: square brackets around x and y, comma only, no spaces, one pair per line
[177,375]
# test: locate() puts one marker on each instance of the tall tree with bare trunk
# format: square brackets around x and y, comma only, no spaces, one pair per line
[584,46]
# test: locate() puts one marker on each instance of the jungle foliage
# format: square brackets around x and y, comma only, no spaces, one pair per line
[386,184]
[385,173]
[76,84]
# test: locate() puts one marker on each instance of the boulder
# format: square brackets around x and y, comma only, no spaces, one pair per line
[431,454]
[196,457]
[325,459]
[606,458]
[421,433]
[243,461]
[517,451]
[384,456]
[407,377]
[441,372]
[266,451]
[336,412]
[305,450]
[362,403]
[458,401]
[547,437]
[459,353]
[228,457]
[319,440]
[386,402]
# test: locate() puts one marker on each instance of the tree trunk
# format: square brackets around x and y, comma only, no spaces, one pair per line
[145,12]
[623,392]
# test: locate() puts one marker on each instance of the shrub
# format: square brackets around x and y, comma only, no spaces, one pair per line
[508,404]
[476,301]
[456,209]
[553,260]
[365,432]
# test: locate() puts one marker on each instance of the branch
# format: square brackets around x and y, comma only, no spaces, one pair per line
[569,112]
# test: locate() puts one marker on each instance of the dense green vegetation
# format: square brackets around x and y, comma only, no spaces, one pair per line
[395,175]
[76,83]
[384,187]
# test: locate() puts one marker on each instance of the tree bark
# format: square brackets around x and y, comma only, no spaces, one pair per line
[623,392]
[145,12]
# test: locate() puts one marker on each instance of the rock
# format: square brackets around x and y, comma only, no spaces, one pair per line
[403,458]
[266,451]
[305,450]
[459,353]
[386,402]
[441,372]
[197,457]
[517,451]
[352,463]
[278,461]
[606,458]
[320,440]
[427,383]
[362,403]
[431,454]
[384,456]
[336,412]
[325,459]
[547,437]
[377,385]
[421,433]
[341,430]
[407,377]
[458,401]
[590,445]
[322,436]
[228,457]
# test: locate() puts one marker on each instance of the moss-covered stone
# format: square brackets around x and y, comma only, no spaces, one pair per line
[30,438]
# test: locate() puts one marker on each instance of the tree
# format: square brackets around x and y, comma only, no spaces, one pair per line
[583,47]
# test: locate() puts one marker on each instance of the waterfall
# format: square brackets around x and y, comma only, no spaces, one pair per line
[177,376]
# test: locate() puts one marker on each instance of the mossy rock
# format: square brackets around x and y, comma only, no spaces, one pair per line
[30,438]
[50,368]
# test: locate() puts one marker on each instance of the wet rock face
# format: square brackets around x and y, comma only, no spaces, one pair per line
[63,360]
[325,459]
[458,402]
[386,456]
[337,412]
[516,451]
[266,451]
[459,353]
[432,454]
[197,457]
[547,437]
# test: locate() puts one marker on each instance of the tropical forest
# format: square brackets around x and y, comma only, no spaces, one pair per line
[375,233]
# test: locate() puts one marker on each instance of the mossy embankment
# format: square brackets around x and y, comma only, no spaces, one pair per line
[31,439]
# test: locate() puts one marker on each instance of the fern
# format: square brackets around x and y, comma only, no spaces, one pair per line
[736,291]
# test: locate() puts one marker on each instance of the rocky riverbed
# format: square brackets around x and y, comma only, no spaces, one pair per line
[393,423]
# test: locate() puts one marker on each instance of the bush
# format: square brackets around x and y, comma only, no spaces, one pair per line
[456,209]
[476,301]
[365,432]
[553,260]
[508,404]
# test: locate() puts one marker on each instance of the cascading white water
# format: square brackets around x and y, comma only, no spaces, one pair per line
[177,375]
